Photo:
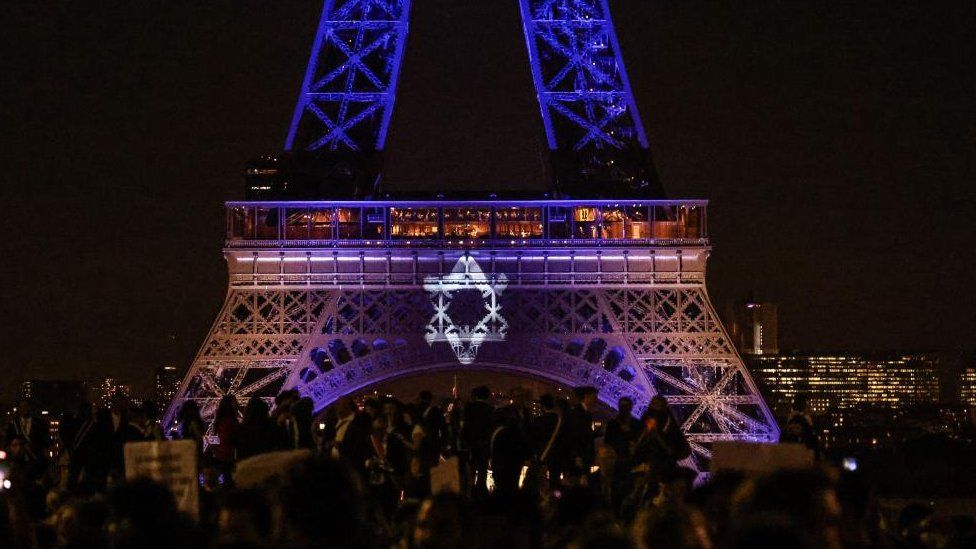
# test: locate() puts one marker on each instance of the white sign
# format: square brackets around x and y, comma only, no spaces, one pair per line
[171,463]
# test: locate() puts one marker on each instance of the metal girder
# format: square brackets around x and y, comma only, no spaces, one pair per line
[350,84]
[578,70]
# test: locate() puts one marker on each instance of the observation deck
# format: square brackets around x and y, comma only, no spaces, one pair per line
[466,224]
[531,242]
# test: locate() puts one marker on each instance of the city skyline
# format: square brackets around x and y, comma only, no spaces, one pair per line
[836,206]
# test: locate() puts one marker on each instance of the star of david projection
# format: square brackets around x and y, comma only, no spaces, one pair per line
[465,339]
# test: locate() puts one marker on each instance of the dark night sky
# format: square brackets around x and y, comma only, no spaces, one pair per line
[835,141]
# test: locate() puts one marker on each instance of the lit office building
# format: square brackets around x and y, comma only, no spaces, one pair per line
[842,381]
[967,387]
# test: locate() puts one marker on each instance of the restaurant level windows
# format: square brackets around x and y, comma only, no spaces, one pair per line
[467,222]
[407,223]
[513,222]
[349,222]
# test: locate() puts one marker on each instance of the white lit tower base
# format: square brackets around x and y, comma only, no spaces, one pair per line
[332,297]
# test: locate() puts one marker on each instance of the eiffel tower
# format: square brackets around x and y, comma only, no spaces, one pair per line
[335,286]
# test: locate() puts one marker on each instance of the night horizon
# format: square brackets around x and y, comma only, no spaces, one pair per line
[833,146]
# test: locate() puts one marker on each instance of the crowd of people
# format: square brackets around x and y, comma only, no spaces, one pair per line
[552,472]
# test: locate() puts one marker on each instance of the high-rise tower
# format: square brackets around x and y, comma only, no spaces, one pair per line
[597,282]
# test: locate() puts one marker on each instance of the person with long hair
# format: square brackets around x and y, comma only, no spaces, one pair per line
[227,428]
[191,426]
[258,433]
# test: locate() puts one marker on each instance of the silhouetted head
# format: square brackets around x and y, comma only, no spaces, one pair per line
[190,411]
[320,501]
[425,398]
[481,393]
[547,402]
[625,406]
[256,410]
[227,409]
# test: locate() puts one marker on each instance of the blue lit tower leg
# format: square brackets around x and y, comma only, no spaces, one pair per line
[350,85]
[588,109]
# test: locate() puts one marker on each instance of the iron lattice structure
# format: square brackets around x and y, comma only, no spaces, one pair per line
[350,85]
[579,75]
[329,298]
[332,307]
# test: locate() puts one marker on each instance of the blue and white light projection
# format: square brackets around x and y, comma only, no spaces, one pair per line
[350,85]
[579,75]
[465,338]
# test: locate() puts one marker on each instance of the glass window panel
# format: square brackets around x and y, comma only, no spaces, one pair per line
[584,218]
[266,223]
[407,223]
[690,217]
[560,221]
[665,222]
[467,222]
[296,223]
[375,226]
[624,222]
[612,222]
[518,222]
[638,226]
[237,218]
[321,224]
[349,221]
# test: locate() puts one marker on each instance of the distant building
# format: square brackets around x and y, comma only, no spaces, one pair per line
[967,387]
[54,396]
[165,385]
[103,391]
[753,327]
[836,381]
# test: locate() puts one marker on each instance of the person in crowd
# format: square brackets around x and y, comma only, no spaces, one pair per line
[508,451]
[116,430]
[476,432]
[302,413]
[150,427]
[383,479]
[431,417]
[352,442]
[453,418]
[622,430]
[191,426]
[80,445]
[284,416]
[258,434]
[420,453]
[608,484]
[226,427]
[657,451]
[33,432]
[799,426]
[580,434]
[546,432]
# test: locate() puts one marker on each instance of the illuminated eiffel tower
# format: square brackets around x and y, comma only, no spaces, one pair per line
[599,282]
